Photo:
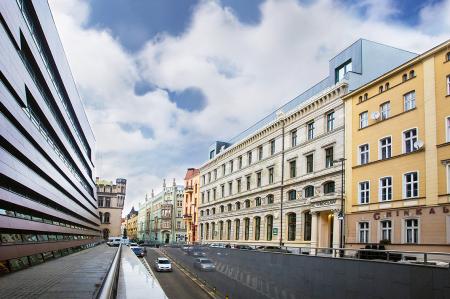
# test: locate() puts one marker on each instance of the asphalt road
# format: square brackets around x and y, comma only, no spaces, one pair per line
[175,284]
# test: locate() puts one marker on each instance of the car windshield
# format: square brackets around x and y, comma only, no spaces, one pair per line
[205,262]
[136,249]
[163,262]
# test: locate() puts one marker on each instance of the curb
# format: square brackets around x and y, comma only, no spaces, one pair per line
[197,281]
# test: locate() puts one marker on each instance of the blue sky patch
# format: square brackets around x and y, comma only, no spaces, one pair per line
[191,99]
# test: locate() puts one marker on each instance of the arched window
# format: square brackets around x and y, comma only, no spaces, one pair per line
[207,212]
[228,229]
[207,231]
[386,86]
[222,209]
[380,89]
[237,228]
[448,56]
[292,194]
[270,199]
[229,207]
[100,215]
[238,205]
[292,219]
[366,96]
[360,99]
[328,187]
[202,213]
[404,77]
[246,228]
[309,191]
[213,211]
[247,203]
[269,227]
[106,217]
[412,74]
[220,230]
[258,201]
[307,226]
[257,221]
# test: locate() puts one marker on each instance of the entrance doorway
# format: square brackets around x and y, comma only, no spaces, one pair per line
[167,239]
[330,229]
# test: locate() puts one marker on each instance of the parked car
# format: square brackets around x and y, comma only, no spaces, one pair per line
[114,241]
[163,264]
[246,247]
[132,244]
[204,264]
[273,249]
[138,250]
[217,245]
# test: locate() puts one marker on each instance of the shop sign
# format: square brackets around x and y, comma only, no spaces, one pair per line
[411,212]
[324,203]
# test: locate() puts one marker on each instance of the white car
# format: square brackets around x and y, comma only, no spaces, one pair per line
[132,244]
[204,264]
[163,264]
[217,245]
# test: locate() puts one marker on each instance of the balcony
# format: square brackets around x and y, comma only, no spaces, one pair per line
[187,216]
[188,188]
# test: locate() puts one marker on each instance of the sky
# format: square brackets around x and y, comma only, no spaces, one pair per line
[161,80]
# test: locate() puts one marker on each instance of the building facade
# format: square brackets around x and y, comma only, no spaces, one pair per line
[278,182]
[190,204]
[161,219]
[48,204]
[131,224]
[398,156]
[111,198]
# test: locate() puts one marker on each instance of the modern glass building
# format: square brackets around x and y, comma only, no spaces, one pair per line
[48,205]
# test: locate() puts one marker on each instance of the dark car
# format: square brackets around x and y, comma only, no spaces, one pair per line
[246,247]
[273,249]
[139,251]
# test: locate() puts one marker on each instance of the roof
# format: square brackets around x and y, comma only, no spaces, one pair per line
[191,172]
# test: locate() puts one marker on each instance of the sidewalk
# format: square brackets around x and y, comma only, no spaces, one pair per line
[79,275]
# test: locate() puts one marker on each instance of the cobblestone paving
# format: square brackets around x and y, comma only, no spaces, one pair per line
[78,275]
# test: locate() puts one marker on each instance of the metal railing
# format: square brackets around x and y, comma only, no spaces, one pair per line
[109,287]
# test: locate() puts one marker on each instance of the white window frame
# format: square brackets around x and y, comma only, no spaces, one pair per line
[294,137]
[448,85]
[405,230]
[308,131]
[360,152]
[391,229]
[404,184]
[380,189]
[448,178]
[366,230]
[404,140]
[330,120]
[380,148]
[409,103]
[447,128]
[385,113]
[360,190]
[363,119]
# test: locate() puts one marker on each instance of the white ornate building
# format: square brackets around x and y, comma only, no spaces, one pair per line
[278,182]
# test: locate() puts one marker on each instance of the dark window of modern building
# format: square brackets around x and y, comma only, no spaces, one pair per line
[343,69]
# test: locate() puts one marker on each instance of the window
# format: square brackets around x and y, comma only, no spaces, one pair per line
[271,175]
[214,194]
[238,185]
[292,195]
[448,85]
[249,157]
[385,148]
[269,227]
[380,89]
[228,229]
[342,70]
[248,182]
[270,199]
[230,188]
[258,201]
[260,152]
[409,138]
[404,77]
[272,147]
[231,166]
[412,231]
[363,232]
[410,185]
[448,178]
[292,219]
[364,192]
[213,210]
[386,230]
[309,163]
[364,154]
[385,110]
[412,74]
[209,177]
[211,154]
[100,201]
[220,230]
[410,100]
[366,96]
[247,203]
[257,221]
[329,187]
[363,119]
[309,191]
[238,206]
[310,129]
[386,188]
[293,168]
[215,174]
[329,157]
[447,128]
[307,227]
[222,209]
[222,190]
[229,207]
[293,138]
[240,162]
[223,169]
[386,86]
[237,229]
[330,121]
[258,179]
[203,197]
[246,228]
[207,212]
[207,195]
[447,56]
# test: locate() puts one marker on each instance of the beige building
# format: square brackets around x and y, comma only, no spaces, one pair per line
[278,182]
[131,224]
[398,157]
[111,198]
[190,204]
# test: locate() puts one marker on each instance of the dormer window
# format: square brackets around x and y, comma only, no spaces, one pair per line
[342,70]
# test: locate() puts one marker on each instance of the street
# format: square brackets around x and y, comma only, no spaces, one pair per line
[175,284]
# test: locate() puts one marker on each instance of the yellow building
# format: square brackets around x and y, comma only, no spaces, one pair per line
[190,204]
[397,144]
[131,225]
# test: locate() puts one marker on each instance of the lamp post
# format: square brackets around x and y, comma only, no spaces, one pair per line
[341,212]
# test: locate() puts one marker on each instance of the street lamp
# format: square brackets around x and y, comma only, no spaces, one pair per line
[341,212]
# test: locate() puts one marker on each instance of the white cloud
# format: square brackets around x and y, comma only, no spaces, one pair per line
[245,71]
